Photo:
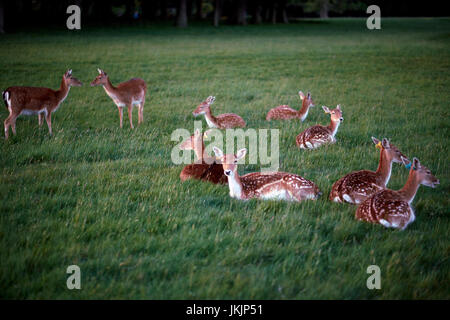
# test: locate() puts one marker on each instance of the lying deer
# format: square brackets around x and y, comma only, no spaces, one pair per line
[223,121]
[357,186]
[126,94]
[318,135]
[392,209]
[35,100]
[284,112]
[206,169]
[267,186]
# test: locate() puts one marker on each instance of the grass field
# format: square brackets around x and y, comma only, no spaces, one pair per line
[110,200]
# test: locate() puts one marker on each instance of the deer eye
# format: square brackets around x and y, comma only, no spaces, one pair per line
[235,161]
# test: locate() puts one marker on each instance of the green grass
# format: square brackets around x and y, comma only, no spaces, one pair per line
[110,200]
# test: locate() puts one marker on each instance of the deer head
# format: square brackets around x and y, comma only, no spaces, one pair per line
[229,161]
[307,100]
[101,79]
[204,106]
[390,150]
[336,114]
[421,173]
[70,80]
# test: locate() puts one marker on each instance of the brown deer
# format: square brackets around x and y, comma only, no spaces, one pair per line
[266,186]
[126,94]
[223,121]
[392,209]
[284,112]
[205,168]
[318,135]
[357,186]
[36,100]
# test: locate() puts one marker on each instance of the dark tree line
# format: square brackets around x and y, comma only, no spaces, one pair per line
[20,13]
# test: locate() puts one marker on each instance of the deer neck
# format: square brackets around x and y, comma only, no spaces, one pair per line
[199,146]
[384,167]
[303,112]
[210,119]
[109,88]
[411,186]
[334,125]
[62,92]
[235,185]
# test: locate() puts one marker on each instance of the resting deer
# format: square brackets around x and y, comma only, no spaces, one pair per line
[35,100]
[355,187]
[223,121]
[126,94]
[206,169]
[392,209]
[267,186]
[284,112]
[318,135]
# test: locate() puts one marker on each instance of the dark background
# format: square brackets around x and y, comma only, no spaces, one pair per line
[22,14]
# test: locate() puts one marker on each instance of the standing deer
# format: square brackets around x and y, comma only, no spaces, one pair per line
[357,186]
[284,112]
[36,100]
[223,121]
[126,94]
[318,135]
[392,209]
[206,168]
[266,186]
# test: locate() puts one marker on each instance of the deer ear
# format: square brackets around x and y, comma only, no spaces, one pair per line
[309,95]
[385,143]
[375,140]
[406,161]
[241,154]
[326,109]
[416,163]
[302,95]
[338,107]
[211,99]
[99,70]
[218,152]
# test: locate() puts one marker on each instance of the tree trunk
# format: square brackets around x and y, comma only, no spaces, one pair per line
[258,14]
[182,21]
[2,15]
[217,12]
[274,13]
[284,16]
[200,9]
[242,12]
[324,9]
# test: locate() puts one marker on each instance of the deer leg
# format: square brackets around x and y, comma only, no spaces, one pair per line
[7,126]
[120,115]
[10,122]
[48,118]
[40,119]
[141,111]
[130,115]
[13,124]
[139,114]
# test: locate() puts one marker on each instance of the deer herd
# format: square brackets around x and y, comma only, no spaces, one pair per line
[365,188]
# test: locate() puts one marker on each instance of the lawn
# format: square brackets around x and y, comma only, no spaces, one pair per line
[110,200]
